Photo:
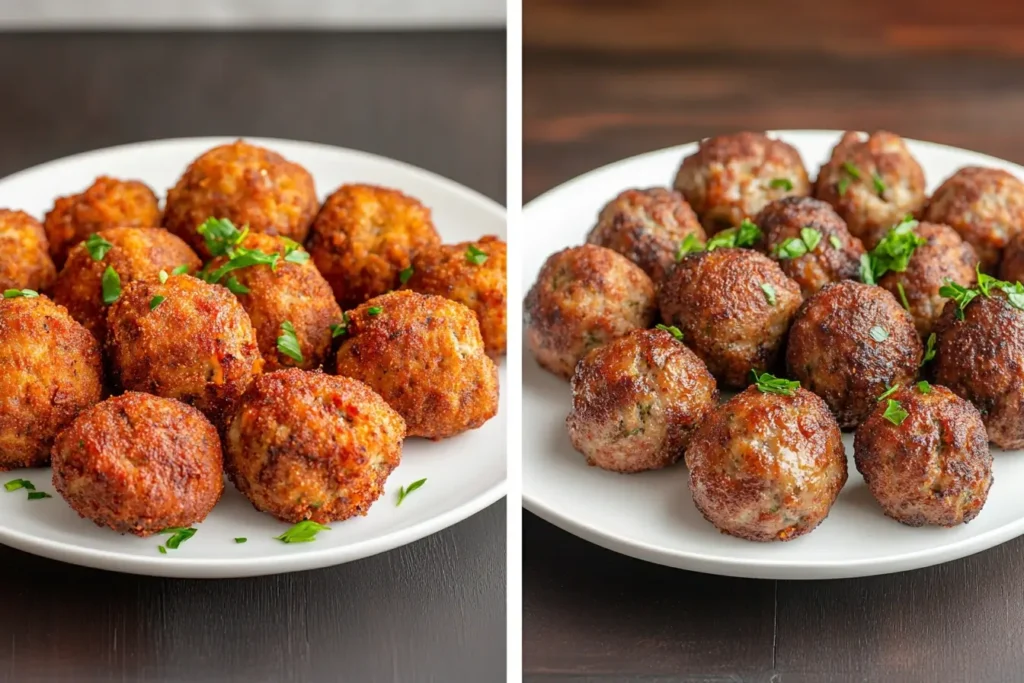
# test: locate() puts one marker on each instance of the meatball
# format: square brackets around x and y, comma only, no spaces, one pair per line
[647,227]
[135,254]
[424,355]
[848,344]
[873,182]
[733,307]
[107,203]
[305,445]
[732,177]
[932,468]
[810,242]
[365,236]
[51,369]
[637,400]
[25,261]
[766,466]
[195,344]
[139,464]
[473,274]
[984,205]
[293,291]
[249,185]
[1011,267]
[942,258]
[584,297]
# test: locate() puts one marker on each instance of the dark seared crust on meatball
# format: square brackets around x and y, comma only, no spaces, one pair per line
[718,301]
[365,236]
[107,203]
[305,445]
[246,184]
[831,350]
[933,468]
[197,346]
[637,400]
[1011,267]
[984,205]
[730,177]
[51,369]
[858,163]
[25,261]
[767,467]
[944,257]
[424,355]
[137,254]
[584,297]
[445,270]
[646,226]
[139,464]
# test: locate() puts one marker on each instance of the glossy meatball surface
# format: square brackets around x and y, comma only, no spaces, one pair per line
[25,261]
[1011,267]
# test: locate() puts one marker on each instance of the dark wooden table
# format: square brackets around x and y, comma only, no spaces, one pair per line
[607,80]
[431,611]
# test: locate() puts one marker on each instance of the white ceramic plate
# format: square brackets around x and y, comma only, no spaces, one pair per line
[651,516]
[464,474]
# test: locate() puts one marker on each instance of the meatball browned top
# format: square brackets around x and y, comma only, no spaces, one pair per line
[1011,267]
[24,253]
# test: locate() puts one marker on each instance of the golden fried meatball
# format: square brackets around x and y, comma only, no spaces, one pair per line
[365,236]
[647,227]
[942,258]
[293,291]
[424,355]
[765,466]
[107,203]
[637,400]
[733,307]
[732,177]
[135,254]
[1011,267]
[305,445]
[872,182]
[25,261]
[195,344]
[984,205]
[934,467]
[472,273]
[848,344]
[250,186]
[828,254]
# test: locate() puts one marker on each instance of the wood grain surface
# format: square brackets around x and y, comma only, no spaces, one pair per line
[430,611]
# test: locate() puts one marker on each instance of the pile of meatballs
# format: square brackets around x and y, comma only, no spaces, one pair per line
[853,302]
[144,353]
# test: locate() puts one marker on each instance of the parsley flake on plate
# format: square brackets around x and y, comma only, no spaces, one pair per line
[303,532]
[404,491]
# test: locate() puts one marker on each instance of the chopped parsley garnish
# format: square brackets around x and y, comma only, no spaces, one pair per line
[811,237]
[111,285]
[243,258]
[180,270]
[835,242]
[19,293]
[795,247]
[769,293]
[842,186]
[405,274]
[163,276]
[894,251]
[16,484]
[288,343]
[476,256]
[374,310]
[888,392]
[960,294]
[235,286]
[879,334]
[781,183]
[745,235]
[879,183]
[38,495]
[163,550]
[224,239]
[341,328]
[689,245]
[404,491]
[241,539]
[303,532]
[903,295]
[986,283]
[924,387]
[178,535]
[894,413]
[867,275]
[97,246]
[770,384]
[156,301]
[220,234]
[851,170]
[929,351]
[671,329]
[293,252]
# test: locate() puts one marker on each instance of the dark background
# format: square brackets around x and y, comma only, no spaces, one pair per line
[430,611]
[607,79]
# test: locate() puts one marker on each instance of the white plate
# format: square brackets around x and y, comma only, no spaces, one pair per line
[651,516]
[464,474]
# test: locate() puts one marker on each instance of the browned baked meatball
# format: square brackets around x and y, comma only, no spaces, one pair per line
[139,464]
[584,296]
[872,182]
[249,185]
[647,227]
[984,205]
[472,273]
[765,466]
[733,307]
[424,355]
[848,344]
[637,400]
[134,254]
[1011,267]
[107,203]
[196,344]
[51,369]
[932,468]
[365,236]
[24,253]
[942,258]
[732,177]
[305,445]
